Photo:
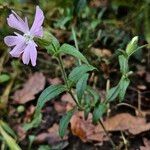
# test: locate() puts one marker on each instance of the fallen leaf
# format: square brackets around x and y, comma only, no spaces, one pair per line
[67,98]
[60,107]
[86,131]
[146,144]
[126,122]
[54,81]
[51,136]
[34,85]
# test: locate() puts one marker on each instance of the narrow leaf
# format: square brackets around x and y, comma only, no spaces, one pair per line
[112,93]
[9,140]
[98,112]
[48,94]
[68,49]
[94,94]
[123,85]
[64,122]
[79,71]
[123,61]
[81,86]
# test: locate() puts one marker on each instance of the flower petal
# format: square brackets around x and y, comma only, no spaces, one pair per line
[33,53]
[18,50]
[26,55]
[36,28]
[30,52]
[13,40]
[16,22]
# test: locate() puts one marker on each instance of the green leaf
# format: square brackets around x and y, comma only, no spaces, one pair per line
[78,72]
[132,46]
[94,94]
[98,112]
[123,85]
[48,94]
[9,140]
[123,61]
[6,127]
[4,78]
[64,122]
[112,93]
[34,123]
[79,5]
[81,86]
[44,147]
[68,49]
[86,112]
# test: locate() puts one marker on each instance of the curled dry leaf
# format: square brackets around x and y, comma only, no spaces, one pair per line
[86,131]
[34,85]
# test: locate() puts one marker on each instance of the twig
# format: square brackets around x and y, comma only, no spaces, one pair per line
[106,132]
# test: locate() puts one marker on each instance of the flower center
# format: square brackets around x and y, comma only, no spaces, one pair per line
[28,37]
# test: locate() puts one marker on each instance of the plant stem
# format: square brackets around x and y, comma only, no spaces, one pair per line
[63,70]
[66,81]
[76,42]
[111,141]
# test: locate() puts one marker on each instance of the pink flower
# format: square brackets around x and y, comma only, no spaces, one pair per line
[23,44]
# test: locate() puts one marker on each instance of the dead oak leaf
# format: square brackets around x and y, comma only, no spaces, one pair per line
[34,85]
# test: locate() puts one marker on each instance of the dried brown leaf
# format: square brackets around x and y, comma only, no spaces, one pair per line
[54,81]
[86,131]
[51,136]
[34,85]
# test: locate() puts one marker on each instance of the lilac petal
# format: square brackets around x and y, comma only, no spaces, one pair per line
[13,40]
[30,52]
[16,22]
[26,55]
[18,50]
[36,28]
[33,53]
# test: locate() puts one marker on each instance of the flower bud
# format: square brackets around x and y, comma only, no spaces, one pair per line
[132,46]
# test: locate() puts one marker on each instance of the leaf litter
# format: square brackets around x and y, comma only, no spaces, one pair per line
[33,86]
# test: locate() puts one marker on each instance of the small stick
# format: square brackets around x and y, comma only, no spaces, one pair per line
[106,132]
